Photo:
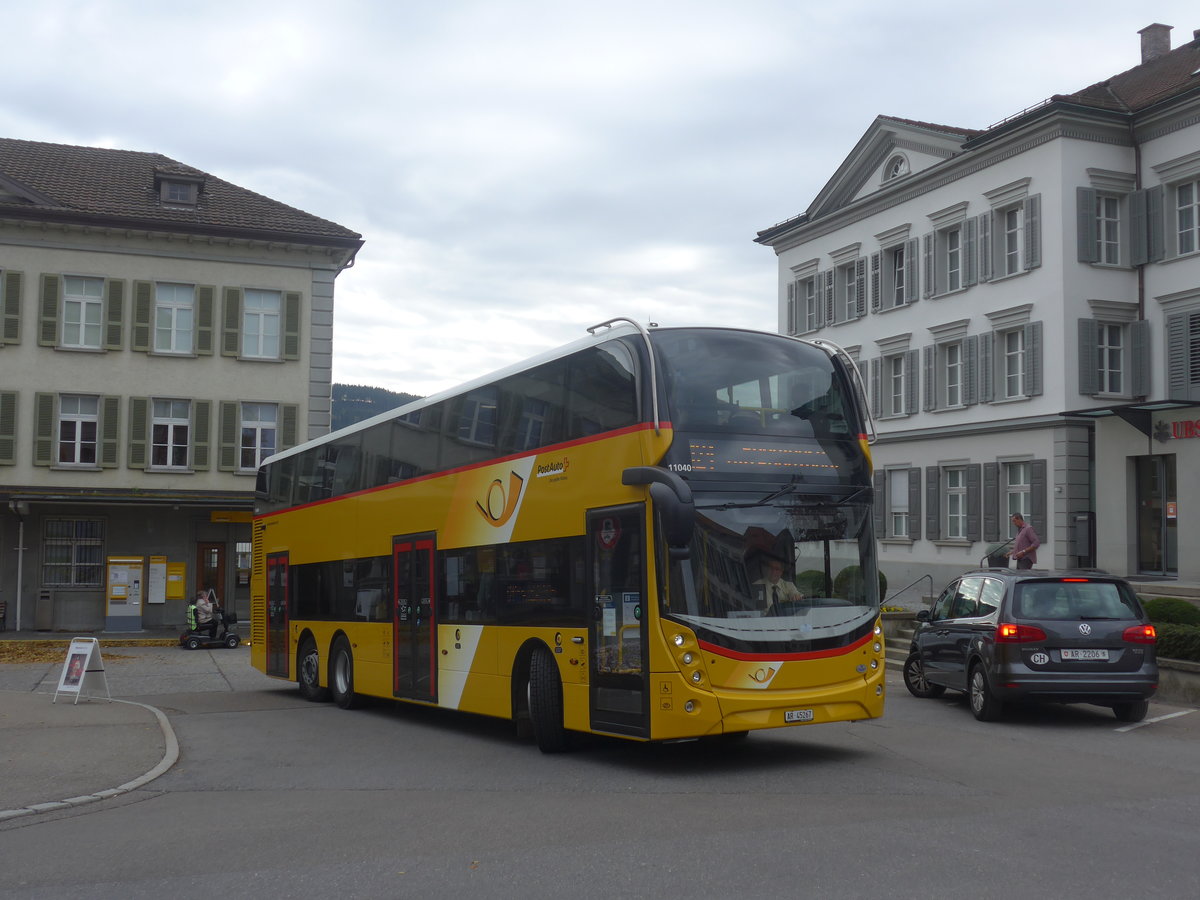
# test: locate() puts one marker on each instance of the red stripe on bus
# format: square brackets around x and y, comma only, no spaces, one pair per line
[781,657]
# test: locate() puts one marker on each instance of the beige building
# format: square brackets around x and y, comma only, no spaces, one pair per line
[161,332]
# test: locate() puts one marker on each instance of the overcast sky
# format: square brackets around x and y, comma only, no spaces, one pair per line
[522,169]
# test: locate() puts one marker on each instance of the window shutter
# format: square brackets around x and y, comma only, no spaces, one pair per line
[986,371]
[879,509]
[791,308]
[1086,232]
[969,254]
[1033,231]
[43,429]
[48,324]
[1033,359]
[1155,244]
[1183,356]
[912,269]
[291,324]
[930,378]
[860,286]
[1037,502]
[143,315]
[876,287]
[1139,358]
[8,428]
[231,324]
[833,315]
[985,246]
[877,387]
[973,502]
[933,503]
[114,328]
[201,434]
[912,382]
[991,501]
[206,301]
[1089,357]
[289,424]
[1139,239]
[110,431]
[914,504]
[10,308]
[139,408]
[927,257]
[970,389]
[227,460]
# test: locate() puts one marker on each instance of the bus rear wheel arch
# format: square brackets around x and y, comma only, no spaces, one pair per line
[308,671]
[341,674]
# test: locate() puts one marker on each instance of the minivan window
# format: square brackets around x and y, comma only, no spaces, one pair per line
[1072,600]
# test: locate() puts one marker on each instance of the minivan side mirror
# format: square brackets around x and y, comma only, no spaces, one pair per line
[923,615]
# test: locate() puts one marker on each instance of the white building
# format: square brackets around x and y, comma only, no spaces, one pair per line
[1024,305]
[161,331]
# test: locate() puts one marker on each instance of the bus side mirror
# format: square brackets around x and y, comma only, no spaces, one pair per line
[673,500]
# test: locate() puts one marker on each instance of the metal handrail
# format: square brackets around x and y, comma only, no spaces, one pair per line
[650,352]
[928,578]
[984,562]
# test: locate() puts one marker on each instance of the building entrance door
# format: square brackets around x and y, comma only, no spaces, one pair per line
[210,568]
[1157,535]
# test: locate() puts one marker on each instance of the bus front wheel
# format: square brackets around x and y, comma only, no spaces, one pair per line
[341,675]
[546,702]
[308,672]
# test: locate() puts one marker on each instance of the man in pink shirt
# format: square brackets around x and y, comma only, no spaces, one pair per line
[1025,545]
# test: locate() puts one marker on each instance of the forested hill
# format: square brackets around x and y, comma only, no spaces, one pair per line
[355,402]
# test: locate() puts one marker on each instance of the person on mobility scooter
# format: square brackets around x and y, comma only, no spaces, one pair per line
[203,614]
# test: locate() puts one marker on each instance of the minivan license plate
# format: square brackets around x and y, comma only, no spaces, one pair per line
[798,715]
[1085,654]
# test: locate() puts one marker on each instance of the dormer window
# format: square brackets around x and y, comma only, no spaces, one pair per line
[178,188]
[896,166]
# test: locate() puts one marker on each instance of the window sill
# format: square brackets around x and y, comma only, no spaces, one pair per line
[75,467]
[959,290]
[955,408]
[897,541]
[169,470]
[953,542]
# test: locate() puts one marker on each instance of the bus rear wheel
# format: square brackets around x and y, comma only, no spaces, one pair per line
[341,675]
[546,702]
[308,672]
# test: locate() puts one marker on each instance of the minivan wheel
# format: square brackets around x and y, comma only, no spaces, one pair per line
[984,704]
[1131,712]
[916,682]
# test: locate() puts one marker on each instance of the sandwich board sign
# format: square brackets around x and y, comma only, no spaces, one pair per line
[83,668]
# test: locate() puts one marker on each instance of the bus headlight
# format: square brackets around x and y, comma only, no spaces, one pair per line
[678,639]
[687,659]
[878,646]
[874,664]
[696,677]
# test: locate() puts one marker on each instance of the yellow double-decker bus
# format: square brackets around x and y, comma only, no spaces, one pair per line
[653,533]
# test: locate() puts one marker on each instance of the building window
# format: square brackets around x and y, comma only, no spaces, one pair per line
[897,503]
[850,284]
[169,434]
[174,312]
[1187,197]
[477,418]
[1016,488]
[73,553]
[1111,356]
[810,304]
[955,500]
[951,240]
[896,166]
[1013,363]
[261,324]
[1012,241]
[83,312]
[952,374]
[260,422]
[894,381]
[1108,230]
[78,424]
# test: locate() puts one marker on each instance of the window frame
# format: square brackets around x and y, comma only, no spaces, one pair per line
[954,503]
[262,317]
[255,429]
[82,572]
[170,434]
[1191,230]
[86,306]
[898,512]
[78,442]
[182,340]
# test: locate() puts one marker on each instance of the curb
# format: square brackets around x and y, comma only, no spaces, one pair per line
[170,757]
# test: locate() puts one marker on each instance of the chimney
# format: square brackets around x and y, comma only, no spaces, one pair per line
[1156,41]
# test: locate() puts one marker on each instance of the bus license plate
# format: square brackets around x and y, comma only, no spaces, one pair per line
[798,715]
[1085,654]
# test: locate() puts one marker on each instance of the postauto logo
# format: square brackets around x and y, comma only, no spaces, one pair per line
[499,501]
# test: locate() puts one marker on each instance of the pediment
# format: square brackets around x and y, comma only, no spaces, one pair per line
[14,192]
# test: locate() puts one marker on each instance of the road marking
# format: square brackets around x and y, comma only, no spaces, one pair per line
[1155,719]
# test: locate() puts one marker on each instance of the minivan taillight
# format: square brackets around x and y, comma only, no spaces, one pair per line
[1012,633]
[1140,634]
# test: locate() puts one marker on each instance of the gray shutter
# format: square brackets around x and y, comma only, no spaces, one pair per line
[880,506]
[914,504]
[912,382]
[912,253]
[231,323]
[969,253]
[1155,242]
[1089,357]
[791,308]
[139,408]
[1139,358]
[206,302]
[818,298]
[1037,502]
[927,257]
[1183,355]
[991,501]
[8,428]
[114,319]
[143,316]
[291,324]
[830,316]
[289,424]
[933,503]
[43,429]
[1033,231]
[985,246]
[876,287]
[876,387]
[110,431]
[48,321]
[987,372]
[930,378]
[10,308]
[201,434]
[1033,359]
[1086,230]
[1139,238]
[970,388]
[973,502]
[227,459]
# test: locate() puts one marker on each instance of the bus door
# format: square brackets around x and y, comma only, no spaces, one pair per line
[617,583]
[278,650]
[415,611]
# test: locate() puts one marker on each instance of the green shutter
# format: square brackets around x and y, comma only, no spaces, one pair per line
[289,422]
[114,328]
[139,408]
[231,323]
[1086,232]
[291,325]
[143,313]
[227,459]
[48,324]
[8,428]
[43,433]
[110,425]
[206,301]
[201,434]
[1089,357]
[10,308]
